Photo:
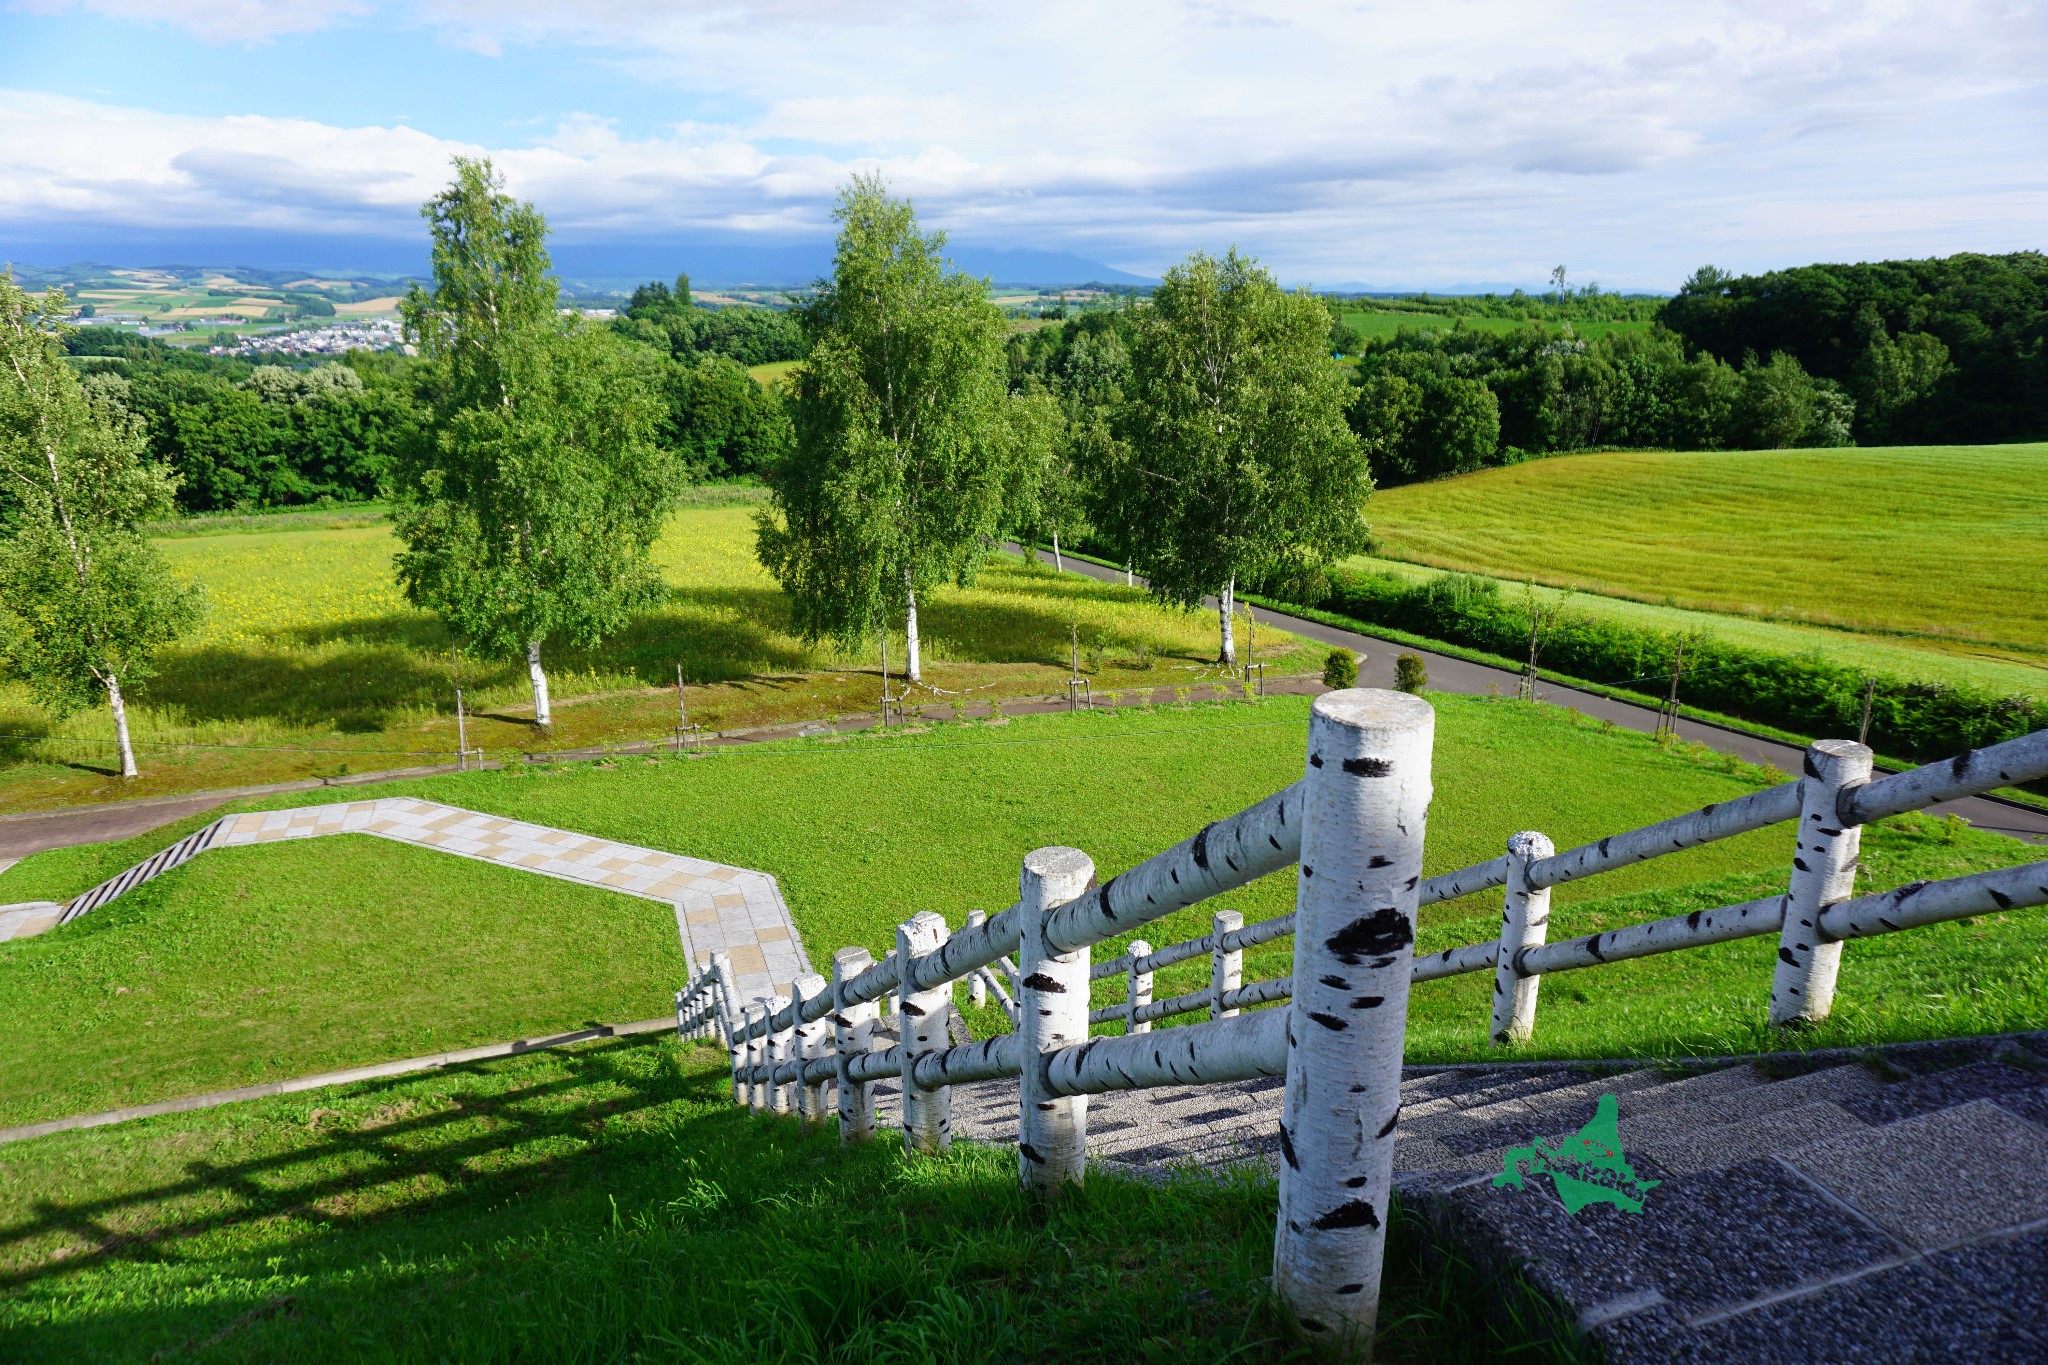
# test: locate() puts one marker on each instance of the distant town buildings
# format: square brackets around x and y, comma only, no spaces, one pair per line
[370,334]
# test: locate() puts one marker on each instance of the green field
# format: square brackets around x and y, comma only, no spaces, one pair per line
[1945,543]
[609,1202]
[773,372]
[308,645]
[863,830]
[2005,673]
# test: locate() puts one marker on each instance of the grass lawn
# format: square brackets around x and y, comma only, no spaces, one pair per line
[309,646]
[1373,325]
[1951,540]
[773,372]
[864,831]
[2010,672]
[610,1203]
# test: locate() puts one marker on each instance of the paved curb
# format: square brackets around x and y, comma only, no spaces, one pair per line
[405,1066]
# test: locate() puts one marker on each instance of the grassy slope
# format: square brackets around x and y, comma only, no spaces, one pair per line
[609,1203]
[1950,539]
[308,645]
[2025,674]
[252,964]
[862,832]
[1373,324]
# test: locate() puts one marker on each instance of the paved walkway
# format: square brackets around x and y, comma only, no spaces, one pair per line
[717,907]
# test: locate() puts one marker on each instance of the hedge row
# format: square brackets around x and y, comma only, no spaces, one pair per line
[1805,694]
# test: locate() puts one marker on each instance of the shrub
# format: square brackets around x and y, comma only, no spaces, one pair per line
[1411,674]
[1340,669]
[1802,693]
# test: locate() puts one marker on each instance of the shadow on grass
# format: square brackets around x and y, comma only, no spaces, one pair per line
[410,1149]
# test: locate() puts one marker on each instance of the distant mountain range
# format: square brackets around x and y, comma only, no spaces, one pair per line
[583,267]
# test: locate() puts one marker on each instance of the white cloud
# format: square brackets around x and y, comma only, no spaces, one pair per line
[1379,139]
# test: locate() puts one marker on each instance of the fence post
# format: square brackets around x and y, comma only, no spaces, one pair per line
[922,1016]
[781,1046]
[1052,1008]
[1524,921]
[1226,967]
[1823,872]
[853,1034]
[1141,988]
[757,1055]
[813,1043]
[1368,794]
[977,989]
[729,1021]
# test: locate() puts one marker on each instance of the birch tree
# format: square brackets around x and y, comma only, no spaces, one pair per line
[1235,461]
[899,471]
[528,513]
[85,600]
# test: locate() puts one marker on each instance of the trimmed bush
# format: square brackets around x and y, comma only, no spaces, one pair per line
[1411,674]
[1340,669]
[1805,694]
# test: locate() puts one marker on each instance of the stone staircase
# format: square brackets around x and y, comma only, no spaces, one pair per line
[1888,1205]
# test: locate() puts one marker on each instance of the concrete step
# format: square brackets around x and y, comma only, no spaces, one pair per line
[1689,1150]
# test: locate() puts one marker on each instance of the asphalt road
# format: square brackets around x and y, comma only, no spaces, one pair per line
[1447,674]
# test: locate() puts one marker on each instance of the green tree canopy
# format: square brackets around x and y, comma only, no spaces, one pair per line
[1235,461]
[529,513]
[897,478]
[85,600]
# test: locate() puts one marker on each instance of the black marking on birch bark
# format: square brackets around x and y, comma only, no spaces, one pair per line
[1388,1126]
[1409,885]
[1287,1149]
[1380,860]
[1102,899]
[1692,921]
[1497,988]
[1593,947]
[1785,956]
[1039,981]
[1358,1090]
[1232,862]
[1173,873]
[1603,845]
[1383,931]
[1337,983]
[1271,840]
[1368,1002]
[1960,766]
[1309,1324]
[1886,923]
[1352,1213]
[1380,962]
[909,1008]
[1030,1153]
[842,1021]
[1200,852]
[1368,767]
[1800,863]
[1355,1182]
[1806,924]
[2004,901]
[1350,1288]
[1329,1021]
[1831,833]
[1315,760]
[1283,815]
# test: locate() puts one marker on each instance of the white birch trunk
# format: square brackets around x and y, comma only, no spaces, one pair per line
[1140,989]
[757,1056]
[913,669]
[1996,765]
[731,1021]
[813,1044]
[543,716]
[1361,861]
[1057,565]
[1823,874]
[1052,1132]
[1226,964]
[1226,615]
[1524,922]
[1128,566]
[1923,903]
[922,1019]
[853,1034]
[119,707]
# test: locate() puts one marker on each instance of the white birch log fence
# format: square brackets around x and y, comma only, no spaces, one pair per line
[1361,807]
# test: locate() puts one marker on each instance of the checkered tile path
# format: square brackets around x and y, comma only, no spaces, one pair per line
[717,907]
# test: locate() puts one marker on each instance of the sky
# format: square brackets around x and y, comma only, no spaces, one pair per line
[1395,144]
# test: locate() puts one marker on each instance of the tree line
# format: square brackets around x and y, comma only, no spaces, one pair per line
[1207,438]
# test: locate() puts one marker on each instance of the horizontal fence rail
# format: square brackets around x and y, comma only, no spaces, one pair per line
[1366,785]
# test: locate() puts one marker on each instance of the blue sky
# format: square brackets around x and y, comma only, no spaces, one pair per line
[1398,144]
